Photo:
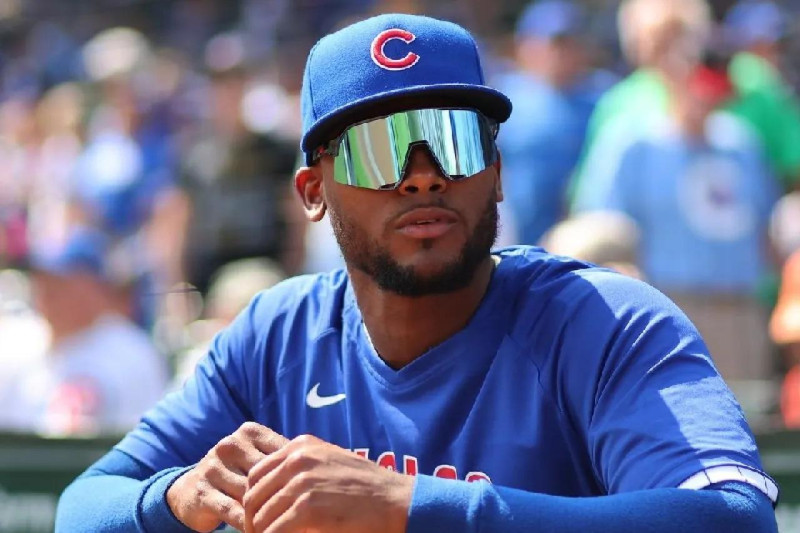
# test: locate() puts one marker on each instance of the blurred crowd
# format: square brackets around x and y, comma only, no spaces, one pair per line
[148,152]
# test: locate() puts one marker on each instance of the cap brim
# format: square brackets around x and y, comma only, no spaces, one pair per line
[490,102]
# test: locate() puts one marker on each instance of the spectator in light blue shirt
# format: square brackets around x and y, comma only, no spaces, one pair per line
[553,92]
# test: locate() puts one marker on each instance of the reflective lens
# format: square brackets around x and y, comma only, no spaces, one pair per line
[374,154]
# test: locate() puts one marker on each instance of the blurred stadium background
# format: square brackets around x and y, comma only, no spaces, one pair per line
[148,149]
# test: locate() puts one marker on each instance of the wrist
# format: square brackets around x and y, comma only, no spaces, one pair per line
[185,502]
[444,504]
[174,496]
[401,491]
[153,510]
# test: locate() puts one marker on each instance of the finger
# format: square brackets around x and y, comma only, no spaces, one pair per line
[263,438]
[288,500]
[293,447]
[243,459]
[266,465]
[231,482]
[276,479]
[295,518]
[271,461]
[226,509]
[236,453]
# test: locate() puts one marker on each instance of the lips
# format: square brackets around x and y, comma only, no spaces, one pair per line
[426,222]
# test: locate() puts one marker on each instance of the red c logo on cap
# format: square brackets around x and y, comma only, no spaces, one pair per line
[380,59]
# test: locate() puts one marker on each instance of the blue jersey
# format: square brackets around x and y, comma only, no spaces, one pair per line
[568,380]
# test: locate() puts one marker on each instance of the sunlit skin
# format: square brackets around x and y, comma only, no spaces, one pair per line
[402,328]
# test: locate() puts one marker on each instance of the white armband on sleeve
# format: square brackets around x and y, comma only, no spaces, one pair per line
[720,474]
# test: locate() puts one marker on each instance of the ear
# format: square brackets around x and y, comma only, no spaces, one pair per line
[498,184]
[308,184]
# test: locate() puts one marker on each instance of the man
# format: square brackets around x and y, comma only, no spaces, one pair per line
[517,391]
[101,372]
[553,92]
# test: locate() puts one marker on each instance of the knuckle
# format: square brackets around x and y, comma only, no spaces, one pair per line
[304,482]
[250,430]
[226,445]
[213,464]
[305,440]
[299,460]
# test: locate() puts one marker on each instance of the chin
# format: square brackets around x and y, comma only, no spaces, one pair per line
[430,259]
[424,276]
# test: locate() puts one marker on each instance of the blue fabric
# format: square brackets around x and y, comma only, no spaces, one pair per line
[443,505]
[702,208]
[569,380]
[597,372]
[540,145]
[124,496]
[341,74]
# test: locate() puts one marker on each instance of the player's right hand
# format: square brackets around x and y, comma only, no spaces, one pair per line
[212,491]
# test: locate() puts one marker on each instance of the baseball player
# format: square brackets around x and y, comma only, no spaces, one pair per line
[433,385]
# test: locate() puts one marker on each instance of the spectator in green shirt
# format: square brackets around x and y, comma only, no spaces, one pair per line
[661,37]
[756,28]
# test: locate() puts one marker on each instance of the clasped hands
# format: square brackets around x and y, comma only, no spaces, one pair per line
[260,482]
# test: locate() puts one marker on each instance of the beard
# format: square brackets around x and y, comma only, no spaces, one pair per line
[369,256]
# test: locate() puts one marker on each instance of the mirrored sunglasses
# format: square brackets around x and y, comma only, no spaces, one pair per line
[374,154]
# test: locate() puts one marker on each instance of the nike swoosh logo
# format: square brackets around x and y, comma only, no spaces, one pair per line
[314,400]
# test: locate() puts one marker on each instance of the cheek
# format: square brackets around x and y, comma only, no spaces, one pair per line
[365,208]
[476,194]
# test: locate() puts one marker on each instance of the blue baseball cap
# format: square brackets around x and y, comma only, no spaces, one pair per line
[83,252]
[549,19]
[373,67]
[754,21]
[89,251]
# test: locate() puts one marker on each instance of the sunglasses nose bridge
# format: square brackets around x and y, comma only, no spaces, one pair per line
[422,170]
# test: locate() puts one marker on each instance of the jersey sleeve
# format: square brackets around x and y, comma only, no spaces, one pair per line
[221,395]
[655,411]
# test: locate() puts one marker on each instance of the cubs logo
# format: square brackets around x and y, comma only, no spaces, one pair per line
[380,58]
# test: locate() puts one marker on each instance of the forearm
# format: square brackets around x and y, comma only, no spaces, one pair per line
[445,505]
[100,500]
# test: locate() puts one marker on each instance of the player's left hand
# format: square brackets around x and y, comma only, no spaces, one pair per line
[310,485]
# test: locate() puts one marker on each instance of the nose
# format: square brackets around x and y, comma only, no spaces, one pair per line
[422,173]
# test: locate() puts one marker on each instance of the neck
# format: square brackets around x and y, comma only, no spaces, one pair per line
[691,122]
[61,330]
[403,328]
